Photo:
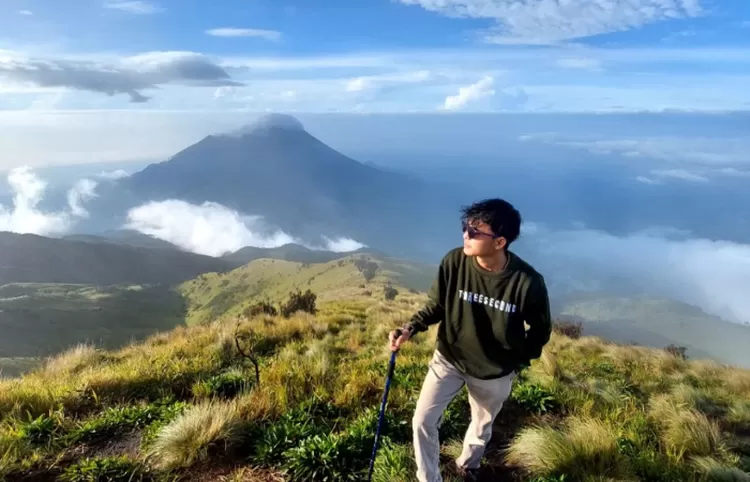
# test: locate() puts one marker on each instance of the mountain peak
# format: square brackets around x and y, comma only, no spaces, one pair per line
[272,121]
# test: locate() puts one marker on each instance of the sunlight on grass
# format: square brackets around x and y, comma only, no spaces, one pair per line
[582,447]
[593,410]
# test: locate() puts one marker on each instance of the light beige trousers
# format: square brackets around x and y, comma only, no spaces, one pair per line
[441,385]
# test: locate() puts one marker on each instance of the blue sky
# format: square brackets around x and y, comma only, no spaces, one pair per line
[109,62]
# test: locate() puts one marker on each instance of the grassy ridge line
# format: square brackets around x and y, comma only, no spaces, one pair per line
[589,409]
[212,296]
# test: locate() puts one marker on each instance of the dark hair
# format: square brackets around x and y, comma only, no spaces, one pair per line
[500,215]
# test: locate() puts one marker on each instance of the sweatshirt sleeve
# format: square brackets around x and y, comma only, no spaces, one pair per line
[537,316]
[434,309]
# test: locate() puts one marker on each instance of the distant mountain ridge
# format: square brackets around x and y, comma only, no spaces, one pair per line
[658,322]
[297,183]
[292,252]
[28,258]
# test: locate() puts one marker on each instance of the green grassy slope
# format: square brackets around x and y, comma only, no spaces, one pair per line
[288,252]
[38,319]
[658,322]
[184,406]
[212,296]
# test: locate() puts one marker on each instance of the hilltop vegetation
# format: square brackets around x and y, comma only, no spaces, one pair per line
[289,252]
[214,295]
[185,405]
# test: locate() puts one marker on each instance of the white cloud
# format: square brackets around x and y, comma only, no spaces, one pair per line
[84,190]
[342,245]
[209,228]
[25,217]
[469,94]
[541,22]
[705,273]
[681,174]
[137,7]
[25,12]
[582,63]
[113,175]
[213,229]
[647,180]
[244,32]
[373,82]
[733,172]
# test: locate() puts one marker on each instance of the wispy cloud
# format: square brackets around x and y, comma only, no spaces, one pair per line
[25,216]
[244,32]
[375,82]
[647,180]
[129,76]
[580,63]
[471,93]
[137,7]
[551,21]
[707,273]
[681,174]
[25,12]
[702,151]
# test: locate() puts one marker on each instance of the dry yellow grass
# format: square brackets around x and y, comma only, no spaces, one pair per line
[194,435]
[620,413]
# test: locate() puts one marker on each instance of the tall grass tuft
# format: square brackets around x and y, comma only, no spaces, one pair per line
[196,434]
[584,447]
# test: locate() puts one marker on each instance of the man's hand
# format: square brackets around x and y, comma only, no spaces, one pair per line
[397,337]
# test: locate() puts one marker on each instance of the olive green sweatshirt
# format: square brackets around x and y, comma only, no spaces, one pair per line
[483,313]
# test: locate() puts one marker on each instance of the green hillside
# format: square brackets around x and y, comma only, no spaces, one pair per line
[38,319]
[27,258]
[185,406]
[211,296]
[289,252]
[658,322]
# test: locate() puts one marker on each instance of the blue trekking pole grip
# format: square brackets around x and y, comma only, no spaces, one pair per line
[389,377]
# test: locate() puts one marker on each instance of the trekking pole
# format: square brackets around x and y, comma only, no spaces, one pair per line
[391,366]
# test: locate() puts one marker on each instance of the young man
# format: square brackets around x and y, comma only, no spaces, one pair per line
[483,294]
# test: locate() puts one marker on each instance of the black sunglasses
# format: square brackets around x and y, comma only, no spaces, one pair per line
[474,232]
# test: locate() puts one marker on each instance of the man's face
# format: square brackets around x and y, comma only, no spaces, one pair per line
[479,239]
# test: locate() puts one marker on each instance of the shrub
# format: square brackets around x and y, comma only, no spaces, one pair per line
[368,268]
[299,302]
[568,328]
[677,351]
[261,308]
[390,293]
